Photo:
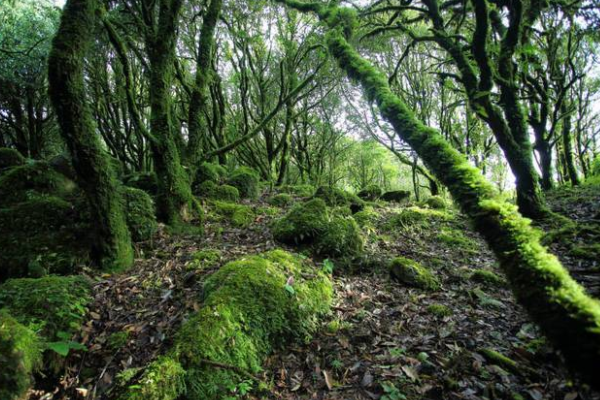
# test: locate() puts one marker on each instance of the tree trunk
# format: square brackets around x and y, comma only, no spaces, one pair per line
[112,244]
[568,316]
[568,146]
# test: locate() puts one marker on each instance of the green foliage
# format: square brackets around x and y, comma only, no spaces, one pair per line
[341,237]
[439,310]
[239,215]
[246,181]
[10,158]
[55,304]
[20,356]
[36,178]
[281,200]
[206,258]
[117,340]
[486,276]
[140,214]
[299,190]
[163,379]
[412,273]
[302,223]
[209,172]
[370,192]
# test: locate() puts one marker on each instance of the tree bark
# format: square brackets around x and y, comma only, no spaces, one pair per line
[112,245]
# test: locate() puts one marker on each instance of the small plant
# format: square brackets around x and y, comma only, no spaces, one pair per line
[337,364]
[439,310]
[397,352]
[328,266]
[391,392]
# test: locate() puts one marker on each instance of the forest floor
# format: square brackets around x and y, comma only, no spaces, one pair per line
[382,340]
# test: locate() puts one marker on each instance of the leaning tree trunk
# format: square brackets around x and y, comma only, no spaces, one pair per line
[112,244]
[568,316]
[567,138]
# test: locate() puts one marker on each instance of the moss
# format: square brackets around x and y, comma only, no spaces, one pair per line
[302,223]
[252,306]
[486,276]
[246,181]
[42,235]
[211,190]
[281,200]
[20,183]
[366,218]
[239,215]
[412,273]
[54,303]
[586,251]
[10,158]
[117,340]
[439,310]
[299,190]
[206,258]
[20,356]
[435,202]
[500,360]
[209,172]
[335,197]
[370,192]
[140,210]
[455,238]
[397,196]
[163,379]
[416,217]
[341,237]
[145,181]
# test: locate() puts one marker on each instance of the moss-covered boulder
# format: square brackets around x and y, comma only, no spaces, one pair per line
[335,197]
[411,273]
[281,200]
[211,190]
[341,238]
[435,202]
[367,218]
[298,190]
[146,181]
[18,184]
[370,192]
[20,356]
[252,306]
[209,172]
[10,158]
[42,235]
[397,196]
[53,304]
[413,217]
[245,180]
[303,223]
[239,215]
[141,214]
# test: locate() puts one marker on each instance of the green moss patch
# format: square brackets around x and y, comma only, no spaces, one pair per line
[238,215]
[435,202]
[203,259]
[211,190]
[335,197]
[209,172]
[411,273]
[370,192]
[341,238]
[412,217]
[299,190]
[281,200]
[141,218]
[439,310]
[245,180]
[486,276]
[366,218]
[302,223]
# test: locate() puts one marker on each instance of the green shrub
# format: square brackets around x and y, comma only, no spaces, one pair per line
[141,218]
[146,181]
[412,273]
[299,190]
[335,197]
[42,235]
[209,172]
[245,180]
[302,223]
[239,215]
[341,237]
[54,304]
[370,192]
[281,200]
[20,356]
[20,183]
[435,202]
[10,158]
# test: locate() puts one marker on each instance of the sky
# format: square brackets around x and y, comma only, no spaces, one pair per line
[60,3]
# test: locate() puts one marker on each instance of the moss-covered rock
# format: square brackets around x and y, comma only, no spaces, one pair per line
[281,200]
[412,273]
[341,238]
[146,181]
[20,183]
[42,235]
[53,304]
[335,197]
[252,306]
[210,190]
[397,196]
[163,379]
[299,190]
[10,158]
[141,216]
[370,192]
[416,217]
[435,202]
[366,218]
[240,216]
[245,180]
[20,356]
[209,172]
[303,223]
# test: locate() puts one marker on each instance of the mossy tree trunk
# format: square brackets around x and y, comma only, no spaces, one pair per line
[199,96]
[568,316]
[567,139]
[174,199]
[112,244]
